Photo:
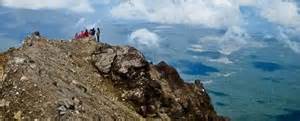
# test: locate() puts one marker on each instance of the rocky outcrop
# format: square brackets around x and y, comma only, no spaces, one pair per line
[83,79]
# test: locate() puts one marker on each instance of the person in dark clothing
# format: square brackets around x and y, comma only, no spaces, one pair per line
[98,35]
[92,32]
[36,33]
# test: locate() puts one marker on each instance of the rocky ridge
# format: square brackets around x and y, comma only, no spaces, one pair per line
[86,80]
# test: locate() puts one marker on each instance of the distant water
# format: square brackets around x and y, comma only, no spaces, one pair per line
[262,84]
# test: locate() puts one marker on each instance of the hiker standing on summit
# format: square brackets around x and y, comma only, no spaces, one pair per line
[98,35]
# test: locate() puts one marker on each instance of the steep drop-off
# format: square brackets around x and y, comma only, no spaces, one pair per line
[86,80]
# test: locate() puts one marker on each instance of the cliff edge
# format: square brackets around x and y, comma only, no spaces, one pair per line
[86,80]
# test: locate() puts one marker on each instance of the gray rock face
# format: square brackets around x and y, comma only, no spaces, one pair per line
[82,79]
[128,58]
[104,60]
[121,59]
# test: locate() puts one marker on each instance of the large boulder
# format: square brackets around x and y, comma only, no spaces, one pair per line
[104,60]
[128,59]
[123,63]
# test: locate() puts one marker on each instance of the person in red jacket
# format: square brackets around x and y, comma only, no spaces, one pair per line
[86,33]
[81,35]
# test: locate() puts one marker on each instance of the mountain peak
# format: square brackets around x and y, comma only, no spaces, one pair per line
[83,79]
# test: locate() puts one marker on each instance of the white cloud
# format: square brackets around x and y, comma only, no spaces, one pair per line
[282,12]
[84,23]
[222,60]
[196,48]
[75,6]
[293,45]
[248,2]
[233,40]
[144,38]
[210,13]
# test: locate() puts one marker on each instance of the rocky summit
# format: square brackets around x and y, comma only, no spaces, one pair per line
[85,80]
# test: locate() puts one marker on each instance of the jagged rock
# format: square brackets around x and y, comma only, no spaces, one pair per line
[122,61]
[170,74]
[83,79]
[128,58]
[104,60]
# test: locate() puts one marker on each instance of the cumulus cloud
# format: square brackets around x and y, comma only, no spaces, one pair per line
[209,13]
[144,38]
[75,6]
[233,40]
[282,12]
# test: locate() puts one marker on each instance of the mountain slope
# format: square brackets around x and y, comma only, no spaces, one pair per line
[83,79]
